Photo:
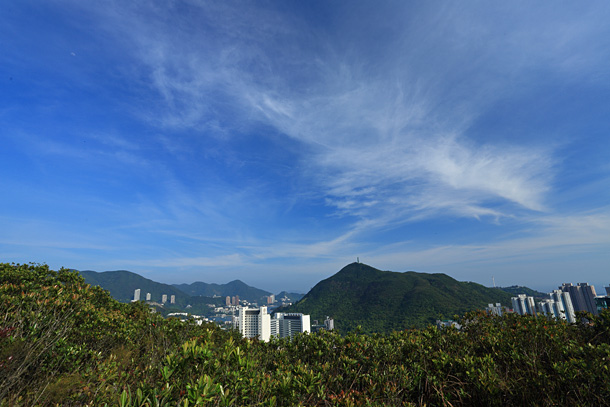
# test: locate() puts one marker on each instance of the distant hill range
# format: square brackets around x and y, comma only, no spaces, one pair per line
[515,290]
[122,283]
[235,287]
[358,295]
[383,301]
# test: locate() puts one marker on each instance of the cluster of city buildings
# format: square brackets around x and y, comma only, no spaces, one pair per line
[232,301]
[185,316]
[561,304]
[137,297]
[258,323]
[249,319]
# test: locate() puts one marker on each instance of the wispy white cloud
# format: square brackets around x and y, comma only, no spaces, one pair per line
[384,125]
[383,133]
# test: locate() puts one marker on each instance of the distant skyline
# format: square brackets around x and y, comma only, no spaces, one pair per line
[276,142]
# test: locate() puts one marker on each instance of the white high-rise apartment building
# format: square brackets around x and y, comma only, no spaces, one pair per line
[136,295]
[551,308]
[495,309]
[257,323]
[254,323]
[588,292]
[522,304]
[564,305]
[287,325]
[582,295]
[329,324]
[148,296]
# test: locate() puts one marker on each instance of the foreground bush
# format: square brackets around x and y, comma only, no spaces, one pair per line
[63,342]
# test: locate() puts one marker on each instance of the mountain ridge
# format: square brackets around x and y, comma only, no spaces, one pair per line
[122,283]
[235,287]
[382,301]
[357,295]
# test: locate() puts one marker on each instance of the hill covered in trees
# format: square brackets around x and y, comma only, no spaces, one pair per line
[235,287]
[122,283]
[382,301]
[64,342]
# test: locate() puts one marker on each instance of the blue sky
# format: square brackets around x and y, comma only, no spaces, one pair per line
[276,142]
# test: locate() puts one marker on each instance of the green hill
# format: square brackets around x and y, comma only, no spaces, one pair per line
[382,301]
[122,283]
[235,287]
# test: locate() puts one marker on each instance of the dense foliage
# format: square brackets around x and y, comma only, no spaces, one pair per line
[63,342]
[384,301]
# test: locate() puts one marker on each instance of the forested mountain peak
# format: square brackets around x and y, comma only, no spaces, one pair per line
[381,301]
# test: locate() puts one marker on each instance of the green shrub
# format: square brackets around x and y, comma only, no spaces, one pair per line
[63,342]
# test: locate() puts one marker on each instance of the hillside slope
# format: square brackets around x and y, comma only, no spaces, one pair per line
[382,301]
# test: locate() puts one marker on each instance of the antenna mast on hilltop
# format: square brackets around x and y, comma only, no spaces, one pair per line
[357,259]
[494,281]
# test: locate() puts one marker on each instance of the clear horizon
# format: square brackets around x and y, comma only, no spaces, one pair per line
[276,142]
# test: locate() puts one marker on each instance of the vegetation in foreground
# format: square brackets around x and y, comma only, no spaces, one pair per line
[63,342]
